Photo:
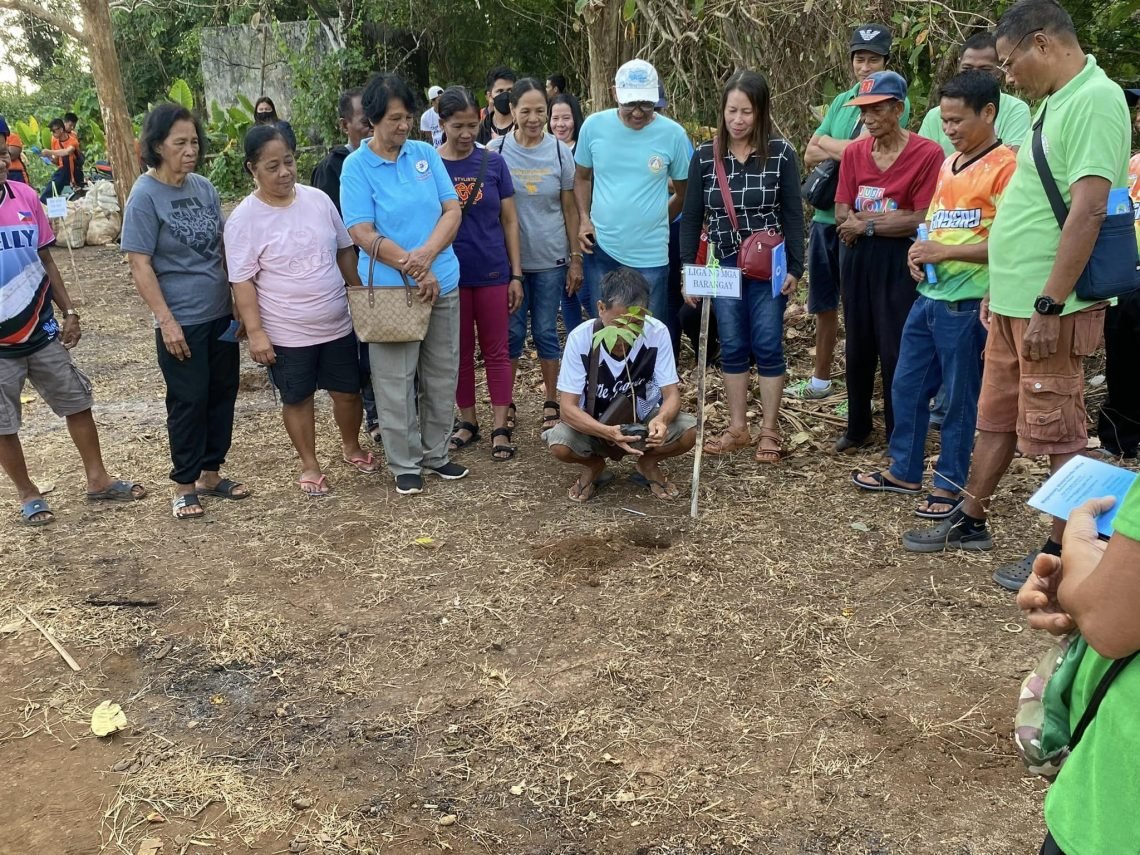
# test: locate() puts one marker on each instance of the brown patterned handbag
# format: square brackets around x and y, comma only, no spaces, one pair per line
[387,314]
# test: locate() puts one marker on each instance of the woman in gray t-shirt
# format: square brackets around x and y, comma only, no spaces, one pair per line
[542,168]
[172,234]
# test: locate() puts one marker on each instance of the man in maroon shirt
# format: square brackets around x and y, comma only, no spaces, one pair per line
[886,182]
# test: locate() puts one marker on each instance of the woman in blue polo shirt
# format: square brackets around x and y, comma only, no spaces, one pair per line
[398,189]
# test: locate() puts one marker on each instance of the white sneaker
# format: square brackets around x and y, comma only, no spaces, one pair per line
[805,391]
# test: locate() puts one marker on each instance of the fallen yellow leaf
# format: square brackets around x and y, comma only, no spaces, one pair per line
[108,718]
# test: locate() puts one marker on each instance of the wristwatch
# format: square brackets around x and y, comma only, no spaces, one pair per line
[71,313]
[869,229]
[1046,305]
[517,278]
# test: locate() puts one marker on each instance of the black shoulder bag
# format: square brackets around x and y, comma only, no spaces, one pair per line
[819,187]
[1113,269]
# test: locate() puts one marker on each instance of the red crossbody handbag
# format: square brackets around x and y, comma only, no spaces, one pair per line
[754,256]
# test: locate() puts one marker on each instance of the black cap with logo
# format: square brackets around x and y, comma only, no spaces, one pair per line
[873,37]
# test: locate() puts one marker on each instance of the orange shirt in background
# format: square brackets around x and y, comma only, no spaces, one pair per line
[17,165]
[1134,190]
[68,163]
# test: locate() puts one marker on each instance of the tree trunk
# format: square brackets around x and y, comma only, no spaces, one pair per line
[609,48]
[117,126]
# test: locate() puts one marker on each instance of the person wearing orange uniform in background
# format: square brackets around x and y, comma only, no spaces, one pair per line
[65,152]
[1118,425]
[70,124]
[16,169]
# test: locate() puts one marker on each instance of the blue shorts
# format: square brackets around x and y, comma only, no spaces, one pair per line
[823,268]
[331,365]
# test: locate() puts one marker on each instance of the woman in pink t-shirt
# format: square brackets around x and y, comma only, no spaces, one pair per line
[289,257]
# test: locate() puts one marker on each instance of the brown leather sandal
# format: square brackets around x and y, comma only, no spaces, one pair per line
[728,441]
[770,447]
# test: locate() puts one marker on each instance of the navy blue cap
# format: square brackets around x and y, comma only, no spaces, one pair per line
[878,87]
[1132,96]
[875,38]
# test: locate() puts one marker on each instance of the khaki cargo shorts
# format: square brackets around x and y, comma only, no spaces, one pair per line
[1042,402]
[52,374]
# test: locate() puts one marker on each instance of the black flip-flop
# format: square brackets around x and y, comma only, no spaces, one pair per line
[224,489]
[643,482]
[118,491]
[602,481]
[881,485]
[187,500]
[954,502]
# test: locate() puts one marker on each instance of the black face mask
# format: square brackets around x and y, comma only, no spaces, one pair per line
[502,103]
[264,117]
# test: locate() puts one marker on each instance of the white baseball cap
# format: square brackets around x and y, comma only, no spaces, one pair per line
[435,92]
[636,81]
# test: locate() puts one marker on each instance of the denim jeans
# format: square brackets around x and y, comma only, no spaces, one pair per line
[598,263]
[938,408]
[752,326]
[941,346]
[542,293]
[60,180]
[575,308]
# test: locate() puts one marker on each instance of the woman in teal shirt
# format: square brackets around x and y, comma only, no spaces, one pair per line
[399,189]
[1095,587]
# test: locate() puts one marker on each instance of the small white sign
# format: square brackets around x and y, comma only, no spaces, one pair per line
[56,207]
[712,281]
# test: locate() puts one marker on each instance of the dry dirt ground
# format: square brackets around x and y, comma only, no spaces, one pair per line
[487,669]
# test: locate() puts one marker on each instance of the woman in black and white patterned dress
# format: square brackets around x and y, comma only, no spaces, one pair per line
[764,182]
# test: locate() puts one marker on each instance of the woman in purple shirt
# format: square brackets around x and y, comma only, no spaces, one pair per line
[490,271]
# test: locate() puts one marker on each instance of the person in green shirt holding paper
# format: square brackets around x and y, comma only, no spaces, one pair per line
[869,49]
[979,53]
[1040,331]
[1091,807]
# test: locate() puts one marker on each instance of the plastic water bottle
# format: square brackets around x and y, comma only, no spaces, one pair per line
[924,234]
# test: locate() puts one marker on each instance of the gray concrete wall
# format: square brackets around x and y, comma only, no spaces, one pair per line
[245,59]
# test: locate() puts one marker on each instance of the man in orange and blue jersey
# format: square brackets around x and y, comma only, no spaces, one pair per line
[943,338]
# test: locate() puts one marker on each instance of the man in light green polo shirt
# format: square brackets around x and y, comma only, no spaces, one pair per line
[869,48]
[1040,332]
[979,53]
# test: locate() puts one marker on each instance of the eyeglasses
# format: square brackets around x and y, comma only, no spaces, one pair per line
[643,107]
[1003,67]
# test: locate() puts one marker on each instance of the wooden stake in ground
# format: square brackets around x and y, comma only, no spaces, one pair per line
[702,361]
[706,282]
[51,640]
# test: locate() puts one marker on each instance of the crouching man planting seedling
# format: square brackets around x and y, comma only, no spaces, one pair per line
[619,395]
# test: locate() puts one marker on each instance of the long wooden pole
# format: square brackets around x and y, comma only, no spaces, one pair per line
[702,362]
